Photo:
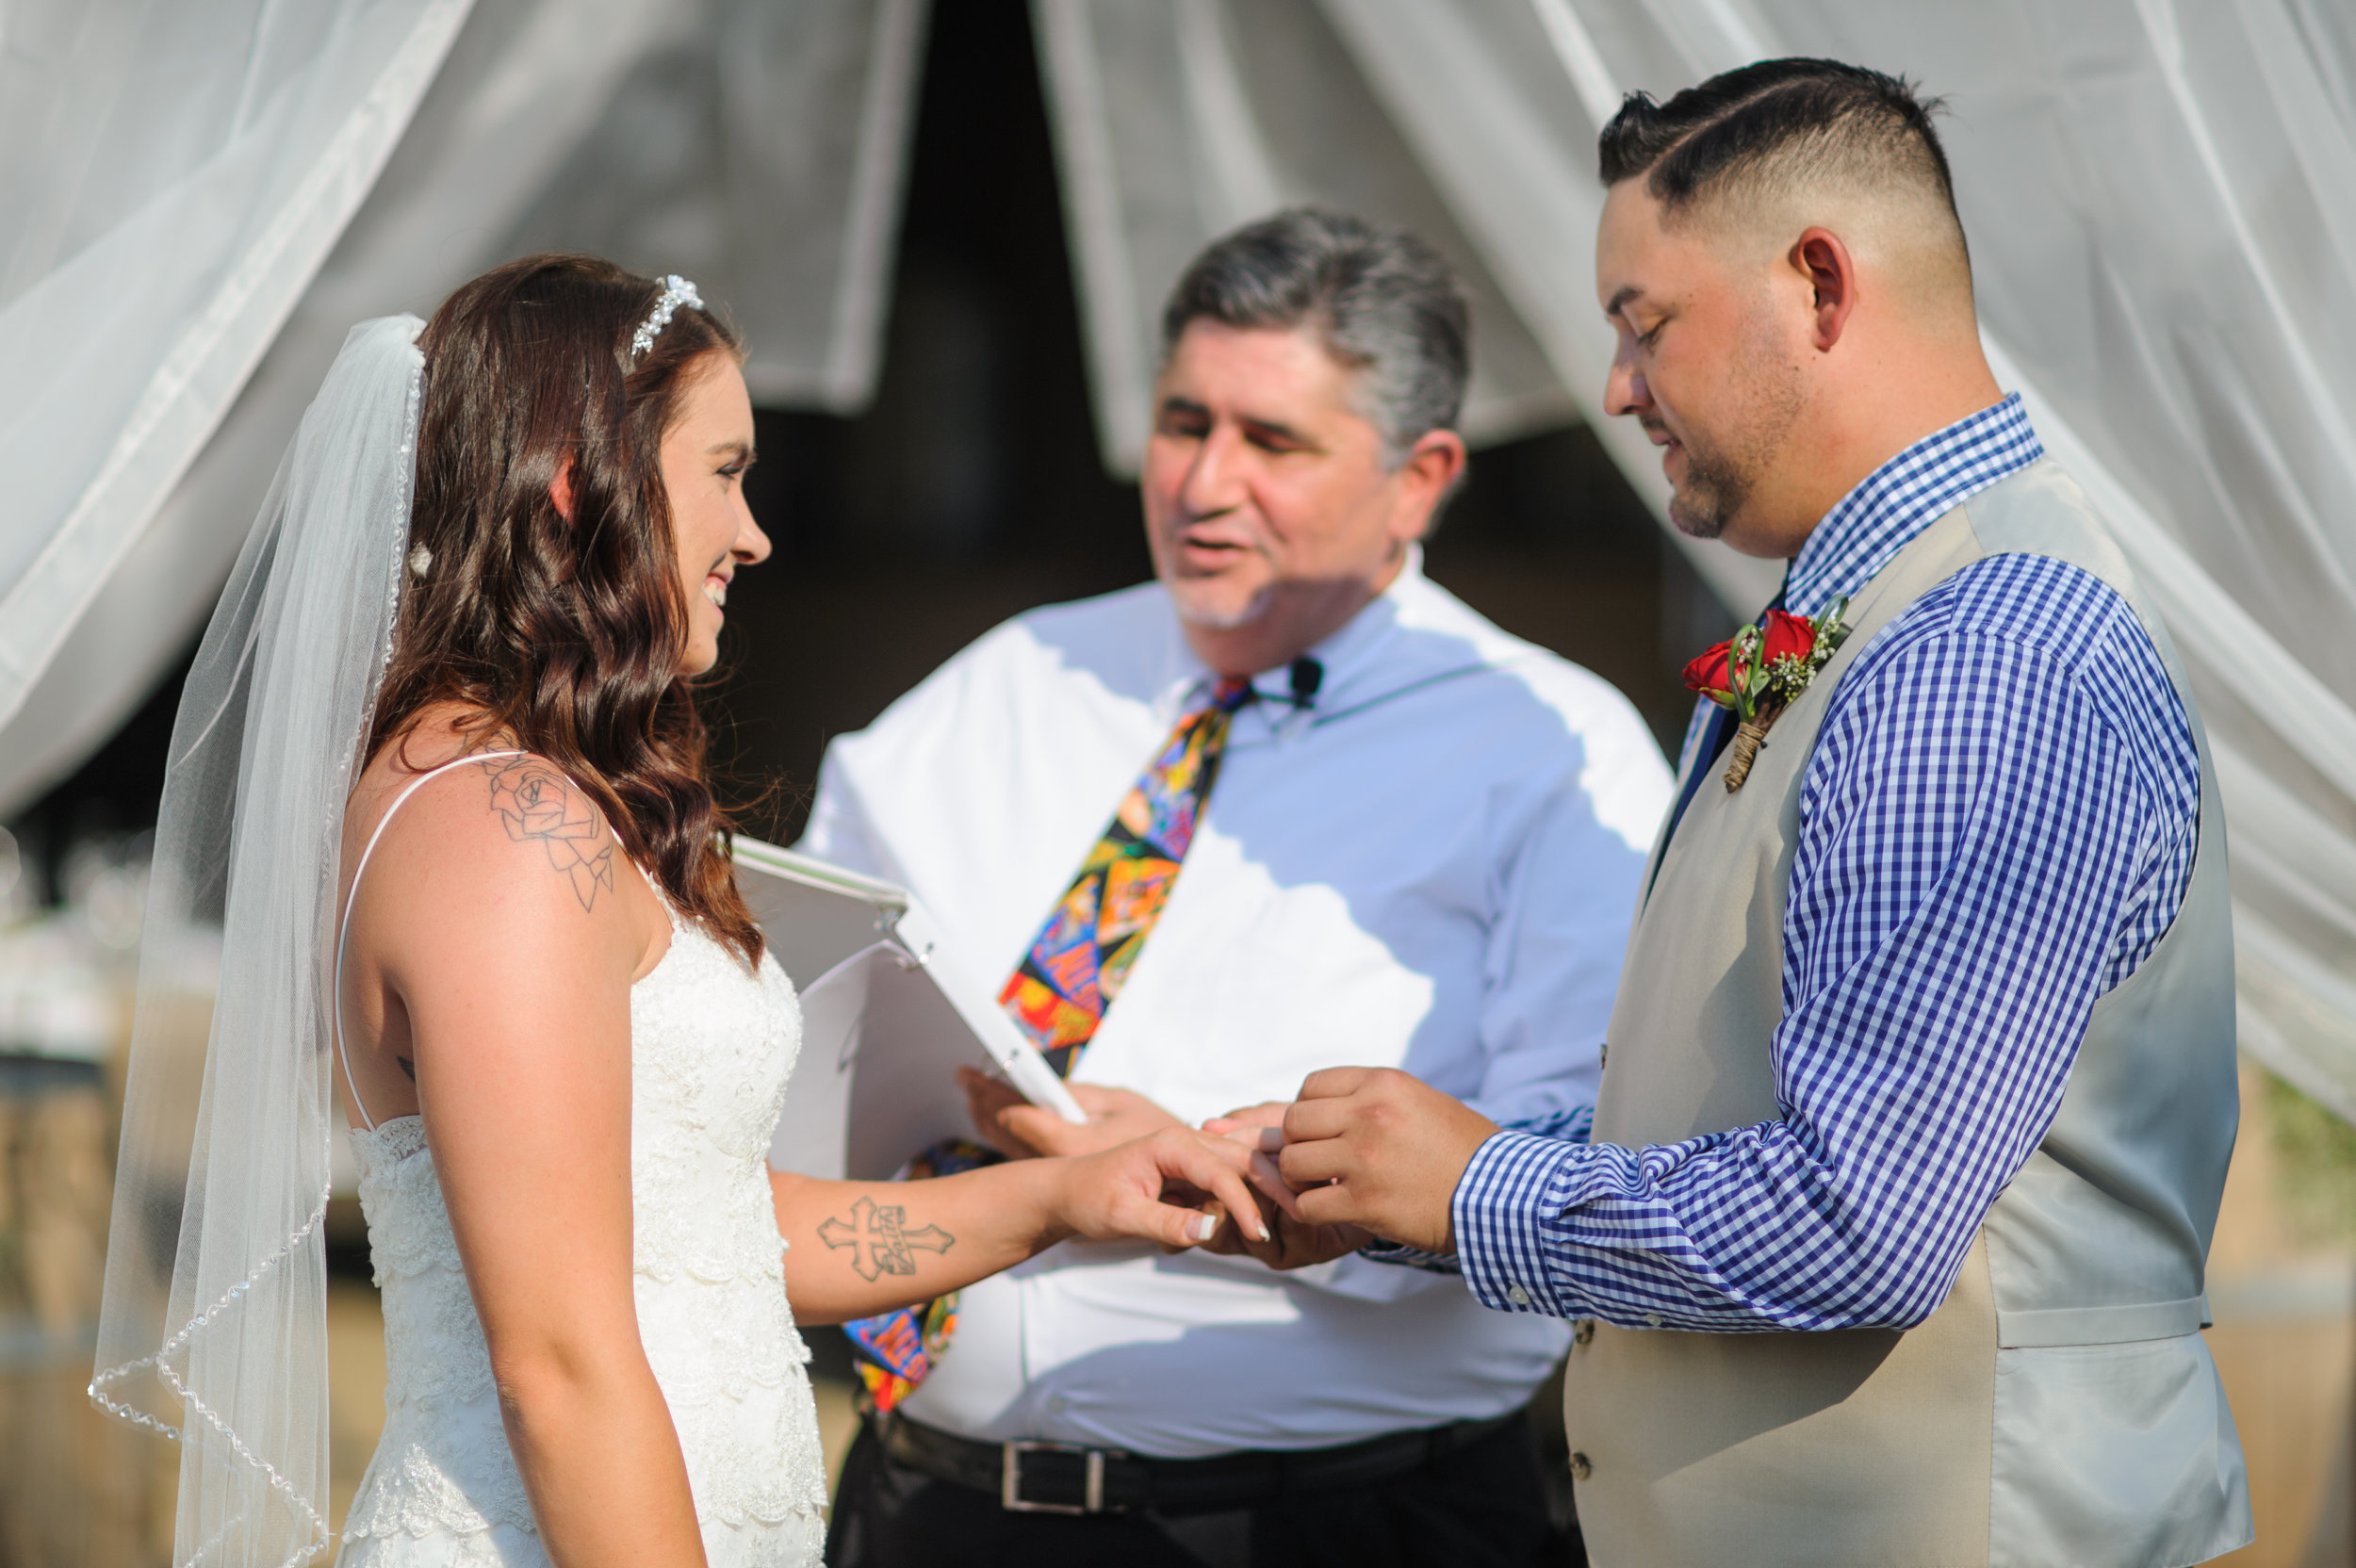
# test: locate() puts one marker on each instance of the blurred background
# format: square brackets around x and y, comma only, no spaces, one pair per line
[947,231]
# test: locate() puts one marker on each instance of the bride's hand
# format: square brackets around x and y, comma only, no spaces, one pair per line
[1260,1129]
[1159,1188]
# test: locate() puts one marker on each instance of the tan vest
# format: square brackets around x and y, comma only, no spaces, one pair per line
[2060,1407]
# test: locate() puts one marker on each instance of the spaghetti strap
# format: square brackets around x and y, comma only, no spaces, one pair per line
[352,901]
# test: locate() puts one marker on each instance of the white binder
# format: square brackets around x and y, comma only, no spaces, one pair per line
[889,1015]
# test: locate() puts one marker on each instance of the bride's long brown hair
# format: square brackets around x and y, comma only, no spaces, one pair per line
[564,636]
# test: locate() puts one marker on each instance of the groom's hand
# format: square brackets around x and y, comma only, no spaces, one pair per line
[1380,1149]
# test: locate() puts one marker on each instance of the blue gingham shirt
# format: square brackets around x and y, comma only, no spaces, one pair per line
[1997,825]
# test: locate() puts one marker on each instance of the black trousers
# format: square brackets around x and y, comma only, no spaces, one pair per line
[1482,1506]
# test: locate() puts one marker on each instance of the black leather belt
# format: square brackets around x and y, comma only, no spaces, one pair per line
[1068,1477]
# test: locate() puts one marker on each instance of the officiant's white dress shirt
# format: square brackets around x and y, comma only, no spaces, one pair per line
[1432,866]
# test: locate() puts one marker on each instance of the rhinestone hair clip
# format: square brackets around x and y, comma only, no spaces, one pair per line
[677,291]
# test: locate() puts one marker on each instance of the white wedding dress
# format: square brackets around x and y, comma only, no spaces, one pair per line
[711,1046]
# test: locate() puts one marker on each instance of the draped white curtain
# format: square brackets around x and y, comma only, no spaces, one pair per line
[2159,202]
[1178,120]
[199,197]
[171,176]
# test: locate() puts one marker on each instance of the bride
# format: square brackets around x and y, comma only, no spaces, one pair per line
[438,777]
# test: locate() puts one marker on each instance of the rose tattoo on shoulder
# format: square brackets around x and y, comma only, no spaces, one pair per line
[535,800]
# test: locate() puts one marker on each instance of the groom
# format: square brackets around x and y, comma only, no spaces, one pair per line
[1885,1242]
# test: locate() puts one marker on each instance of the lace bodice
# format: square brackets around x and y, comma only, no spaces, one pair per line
[710,1048]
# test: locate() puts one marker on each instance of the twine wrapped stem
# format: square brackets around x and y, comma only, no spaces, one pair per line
[1744,750]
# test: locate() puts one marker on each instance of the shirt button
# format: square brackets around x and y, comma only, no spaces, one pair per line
[1582,1330]
[1652,1318]
[1519,1297]
[1580,1469]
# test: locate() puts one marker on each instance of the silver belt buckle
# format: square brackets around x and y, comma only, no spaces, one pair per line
[1010,1477]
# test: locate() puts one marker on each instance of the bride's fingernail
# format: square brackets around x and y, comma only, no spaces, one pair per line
[1204,1227]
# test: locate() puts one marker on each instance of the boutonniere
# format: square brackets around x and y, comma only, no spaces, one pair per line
[1760,671]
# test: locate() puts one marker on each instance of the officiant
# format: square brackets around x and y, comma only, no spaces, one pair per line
[1289,806]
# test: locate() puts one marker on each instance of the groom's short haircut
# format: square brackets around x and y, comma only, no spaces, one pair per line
[1384,303]
[1763,144]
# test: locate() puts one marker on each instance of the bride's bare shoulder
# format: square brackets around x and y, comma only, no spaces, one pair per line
[511,814]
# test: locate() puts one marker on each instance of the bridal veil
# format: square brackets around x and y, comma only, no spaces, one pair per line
[213,1329]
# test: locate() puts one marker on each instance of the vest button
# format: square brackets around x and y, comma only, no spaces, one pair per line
[1652,1318]
[1580,1469]
[1582,1330]
[1519,1297]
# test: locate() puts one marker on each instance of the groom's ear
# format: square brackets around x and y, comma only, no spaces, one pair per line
[1831,272]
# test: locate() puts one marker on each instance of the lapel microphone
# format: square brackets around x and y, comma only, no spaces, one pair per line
[1307,676]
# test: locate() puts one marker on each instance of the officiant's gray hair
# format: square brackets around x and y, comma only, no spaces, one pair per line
[1384,304]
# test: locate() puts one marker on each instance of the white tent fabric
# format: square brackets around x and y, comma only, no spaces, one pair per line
[228,142]
[756,148]
[2157,201]
[1178,120]
[2156,195]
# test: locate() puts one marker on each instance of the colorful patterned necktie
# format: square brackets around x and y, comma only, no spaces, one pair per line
[1058,995]
[1082,956]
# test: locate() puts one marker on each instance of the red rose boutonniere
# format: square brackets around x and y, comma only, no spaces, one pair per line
[1760,671]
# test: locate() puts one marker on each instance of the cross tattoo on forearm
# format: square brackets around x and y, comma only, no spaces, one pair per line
[880,1241]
